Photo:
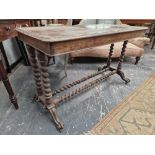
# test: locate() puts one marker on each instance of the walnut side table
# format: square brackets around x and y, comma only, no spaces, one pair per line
[43,42]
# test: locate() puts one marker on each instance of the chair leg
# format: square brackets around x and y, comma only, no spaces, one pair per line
[54,59]
[153,43]
[137,60]
[49,59]
[65,65]
[70,59]
[7,85]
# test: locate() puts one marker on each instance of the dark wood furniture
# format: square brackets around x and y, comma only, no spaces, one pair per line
[7,31]
[64,21]
[151,34]
[50,41]
[150,23]
[5,80]
[137,21]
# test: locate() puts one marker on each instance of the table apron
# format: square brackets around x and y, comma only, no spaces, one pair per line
[64,47]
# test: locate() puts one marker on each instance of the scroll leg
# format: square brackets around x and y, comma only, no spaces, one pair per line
[119,67]
[8,85]
[59,124]
[121,74]
[47,92]
[109,58]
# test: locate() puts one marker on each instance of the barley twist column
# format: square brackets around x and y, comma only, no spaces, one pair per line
[119,67]
[35,69]
[110,55]
[43,59]
[121,58]
[108,60]
[49,102]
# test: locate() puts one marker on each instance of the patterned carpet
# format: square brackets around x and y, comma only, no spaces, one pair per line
[134,115]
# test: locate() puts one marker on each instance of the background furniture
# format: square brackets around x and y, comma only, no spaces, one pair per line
[5,80]
[8,31]
[43,22]
[135,46]
[151,34]
[137,21]
[147,22]
[54,22]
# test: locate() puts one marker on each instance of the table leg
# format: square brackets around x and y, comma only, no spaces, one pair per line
[110,55]
[7,84]
[39,62]
[36,71]
[47,92]
[119,67]
[8,68]
[109,58]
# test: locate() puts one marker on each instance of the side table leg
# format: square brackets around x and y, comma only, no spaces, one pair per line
[110,55]
[7,84]
[119,67]
[36,71]
[109,58]
[49,103]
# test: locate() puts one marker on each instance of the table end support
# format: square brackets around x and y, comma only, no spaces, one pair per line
[121,59]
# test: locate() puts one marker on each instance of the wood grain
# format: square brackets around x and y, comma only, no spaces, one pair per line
[64,39]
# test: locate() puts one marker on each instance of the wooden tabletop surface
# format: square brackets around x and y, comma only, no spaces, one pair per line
[57,40]
[65,33]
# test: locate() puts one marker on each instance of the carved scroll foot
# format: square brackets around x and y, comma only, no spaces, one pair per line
[121,74]
[58,123]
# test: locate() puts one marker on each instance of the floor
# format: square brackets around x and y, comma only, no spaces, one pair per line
[79,114]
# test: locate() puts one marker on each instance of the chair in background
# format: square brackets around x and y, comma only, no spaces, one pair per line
[6,82]
[55,22]
[151,34]
[135,46]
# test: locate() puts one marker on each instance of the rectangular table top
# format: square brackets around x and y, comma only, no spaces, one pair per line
[63,33]
[54,40]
